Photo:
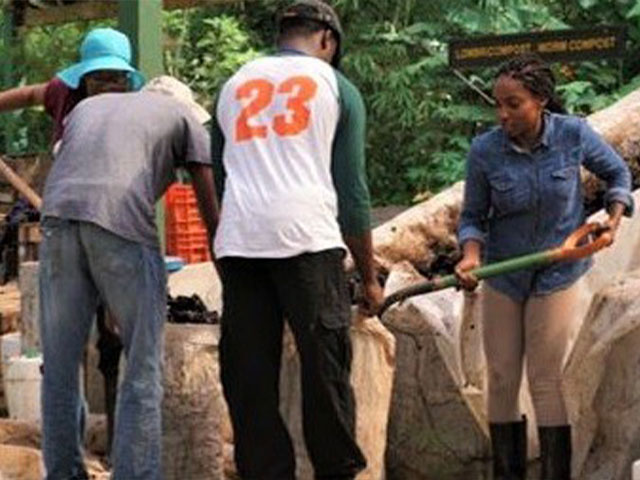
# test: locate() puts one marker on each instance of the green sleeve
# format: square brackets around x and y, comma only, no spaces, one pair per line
[217,149]
[348,161]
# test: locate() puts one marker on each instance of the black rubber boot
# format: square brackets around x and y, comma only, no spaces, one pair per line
[509,445]
[555,452]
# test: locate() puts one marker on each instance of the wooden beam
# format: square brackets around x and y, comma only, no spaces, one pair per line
[70,13]
[98,9]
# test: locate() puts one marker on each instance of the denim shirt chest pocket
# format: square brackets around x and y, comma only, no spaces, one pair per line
[564,179]
[563,183]
[509,194]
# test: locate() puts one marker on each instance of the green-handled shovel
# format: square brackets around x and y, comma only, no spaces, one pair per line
[585,241]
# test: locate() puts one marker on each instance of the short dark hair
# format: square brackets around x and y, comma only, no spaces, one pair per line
[536,76]
[299,27]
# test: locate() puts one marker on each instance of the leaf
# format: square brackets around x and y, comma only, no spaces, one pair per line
[587,4]
[634,11]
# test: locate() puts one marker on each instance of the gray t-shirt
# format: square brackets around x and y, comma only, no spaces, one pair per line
[118,155]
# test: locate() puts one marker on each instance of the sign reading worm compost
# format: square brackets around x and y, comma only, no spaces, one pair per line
[553,46]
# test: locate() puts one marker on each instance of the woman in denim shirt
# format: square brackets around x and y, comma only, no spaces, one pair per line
[523,194]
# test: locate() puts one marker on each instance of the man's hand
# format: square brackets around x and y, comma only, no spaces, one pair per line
[362,251]
[470,261]
[372,298]
[214,260]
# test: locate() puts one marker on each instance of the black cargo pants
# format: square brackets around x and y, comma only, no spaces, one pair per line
[310,291]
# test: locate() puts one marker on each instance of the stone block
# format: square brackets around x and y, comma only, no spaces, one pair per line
[29,305]
[193,409]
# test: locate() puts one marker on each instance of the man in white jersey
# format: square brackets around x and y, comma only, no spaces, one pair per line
[288,155]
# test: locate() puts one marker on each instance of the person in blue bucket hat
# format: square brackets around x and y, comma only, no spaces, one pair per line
[104,66]
[103,49]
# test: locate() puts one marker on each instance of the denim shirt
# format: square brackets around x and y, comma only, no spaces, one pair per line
[519,202]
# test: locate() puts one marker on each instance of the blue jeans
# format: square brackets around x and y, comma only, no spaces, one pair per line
[79,263]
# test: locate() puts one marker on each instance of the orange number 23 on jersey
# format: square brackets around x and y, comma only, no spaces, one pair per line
[300,90]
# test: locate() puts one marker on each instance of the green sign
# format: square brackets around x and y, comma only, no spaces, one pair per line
[554,46]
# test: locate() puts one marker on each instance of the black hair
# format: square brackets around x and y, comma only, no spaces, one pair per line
[536,76]
[299,27]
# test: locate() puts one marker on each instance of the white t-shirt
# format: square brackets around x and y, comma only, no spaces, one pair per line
[279,116]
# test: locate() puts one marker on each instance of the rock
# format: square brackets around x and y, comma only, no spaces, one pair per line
[20,463]
[380,215]
[202,279]
[433,432]
[198,278]
[93,379]
[420,233]
[230,471]
[371,377]
[29,305]
[95,437]
[583,367]
[19,433]
[193,408]
[618,125]
[9,308]
[96,469]
[603,384]
[28,460]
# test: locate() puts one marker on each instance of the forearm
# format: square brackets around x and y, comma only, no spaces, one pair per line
[219,176]
[217,154]
[602,160]
[616,211]
[361,248]
[203,184]
[22,97]
[472,249]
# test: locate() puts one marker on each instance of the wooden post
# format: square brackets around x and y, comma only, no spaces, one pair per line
[8,37]
[141,20]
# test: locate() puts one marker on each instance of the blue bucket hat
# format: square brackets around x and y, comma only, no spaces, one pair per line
[102,49]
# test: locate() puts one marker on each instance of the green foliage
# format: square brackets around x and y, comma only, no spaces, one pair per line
[34,58]
[421,117]
[203,48]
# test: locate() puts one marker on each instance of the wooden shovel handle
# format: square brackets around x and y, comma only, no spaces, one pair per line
[20,185]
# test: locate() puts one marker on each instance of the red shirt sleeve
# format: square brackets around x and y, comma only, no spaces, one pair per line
[59,100]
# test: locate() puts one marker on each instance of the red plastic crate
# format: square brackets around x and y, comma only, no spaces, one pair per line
[185,233]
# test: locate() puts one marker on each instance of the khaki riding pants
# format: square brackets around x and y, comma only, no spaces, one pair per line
[539,330]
